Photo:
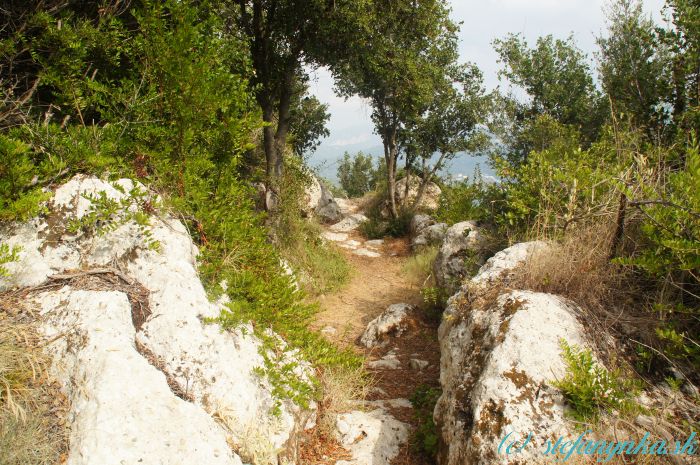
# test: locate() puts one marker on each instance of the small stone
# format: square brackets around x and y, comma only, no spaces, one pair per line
[335,237]
[393,321]
[418,365]
[389,362]
[329,331]
[366,253]
[376,243]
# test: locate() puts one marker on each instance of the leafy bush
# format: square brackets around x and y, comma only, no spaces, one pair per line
[376,227]
[357,175]
[589,388]
[426,435]
[7,255]
[320,267]
[671,223]
[466,200]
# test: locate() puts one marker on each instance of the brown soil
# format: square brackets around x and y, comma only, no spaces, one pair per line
[375,284]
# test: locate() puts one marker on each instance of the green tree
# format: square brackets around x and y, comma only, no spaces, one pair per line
[308,119]
[404,51]
[558,82]
[282,35]
[683,40]
[356,174]
[450,124]
[632,67]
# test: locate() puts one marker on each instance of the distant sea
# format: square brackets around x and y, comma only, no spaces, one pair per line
[326,159]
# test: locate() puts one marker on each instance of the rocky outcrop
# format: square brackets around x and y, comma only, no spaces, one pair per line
[349,224]
[432,235]
[212,371]
[504,262]
[425,232]
[313,194]
[319,201]
[418,223]
[499,354]
[372,438]
[430,201]
[121,407]
[393,322]
[460,252]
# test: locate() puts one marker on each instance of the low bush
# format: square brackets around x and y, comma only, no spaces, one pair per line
[426,435]
[591,389]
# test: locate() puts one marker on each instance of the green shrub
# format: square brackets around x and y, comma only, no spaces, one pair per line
[357,175]
[465,200]
[590,388]
[376,227]
[423,400]
[319,266]
[7,255]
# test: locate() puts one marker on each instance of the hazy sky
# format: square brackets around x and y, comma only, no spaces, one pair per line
[482,22]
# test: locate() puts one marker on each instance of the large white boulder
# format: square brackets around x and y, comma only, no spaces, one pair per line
[121,407]
[393,322]
[430,201]
[499,355]
[319,200]
[372,438]
[419,222]
[349,224]
[215,367]
[461,250]
[504,262]
[313,194]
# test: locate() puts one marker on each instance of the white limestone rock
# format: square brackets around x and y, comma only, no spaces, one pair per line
[497,364]
[216,368]
[430,235]
[372,438]
[419,222]
[121,408]
[350,244]
[389,362]
[460,249]
[347,206]
[349,224]
[387,403]
[334,237]
[417,364]
[393,322]
[498,266]
[363,252]
[375,243]
[431,196]
[313,193]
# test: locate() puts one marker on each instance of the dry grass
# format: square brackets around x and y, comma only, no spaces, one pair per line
[32,409]
[579,268]
[418,268]
[615,304]
[342,389]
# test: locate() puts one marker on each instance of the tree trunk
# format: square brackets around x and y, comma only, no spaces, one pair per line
[427,176]
[390,157]
[619,227]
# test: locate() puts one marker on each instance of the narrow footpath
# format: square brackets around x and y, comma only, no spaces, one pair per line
[407,362]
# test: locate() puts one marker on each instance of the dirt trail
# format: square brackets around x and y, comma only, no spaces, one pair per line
[376,283]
